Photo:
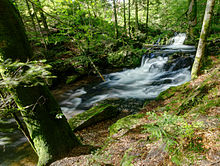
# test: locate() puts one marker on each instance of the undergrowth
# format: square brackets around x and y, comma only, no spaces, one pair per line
[175,132]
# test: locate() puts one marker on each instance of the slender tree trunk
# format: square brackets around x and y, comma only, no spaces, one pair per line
[52,137]
[73,7]
[147,15]
[32,17]
[136,14]
[129,18]
[203,36]
[192,17]
[116,19]
[43,18]
[124,10]
[40,28]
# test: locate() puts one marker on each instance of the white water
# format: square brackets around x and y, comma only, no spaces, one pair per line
[178,39]
[144,82]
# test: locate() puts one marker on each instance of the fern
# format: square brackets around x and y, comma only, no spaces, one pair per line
[172,130]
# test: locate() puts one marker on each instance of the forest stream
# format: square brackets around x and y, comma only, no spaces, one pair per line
[159,70]
[162,68]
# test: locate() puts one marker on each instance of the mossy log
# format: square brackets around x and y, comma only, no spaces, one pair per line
[92,116]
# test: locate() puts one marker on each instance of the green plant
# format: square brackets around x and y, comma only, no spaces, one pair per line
[29,73]
[174,131]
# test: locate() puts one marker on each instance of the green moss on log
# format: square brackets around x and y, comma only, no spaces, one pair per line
[93,116]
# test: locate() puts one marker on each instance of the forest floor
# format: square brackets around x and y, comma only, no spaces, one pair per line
[180,127]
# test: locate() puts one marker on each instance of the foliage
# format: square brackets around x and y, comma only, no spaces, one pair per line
[30,73]
[7,105]
[126,56]
[80,28]
[175,132]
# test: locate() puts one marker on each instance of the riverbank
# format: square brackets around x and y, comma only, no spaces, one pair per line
[180,127]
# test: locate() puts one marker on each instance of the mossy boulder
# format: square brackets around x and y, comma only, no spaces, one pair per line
[71,79]
[126,123]
[92,116]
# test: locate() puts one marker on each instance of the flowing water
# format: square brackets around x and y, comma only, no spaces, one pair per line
[165,67]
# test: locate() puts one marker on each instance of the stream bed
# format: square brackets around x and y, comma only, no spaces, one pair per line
[163,68]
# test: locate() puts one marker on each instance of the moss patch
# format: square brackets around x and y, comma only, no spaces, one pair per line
[125,123]
[71,79]
[92,116]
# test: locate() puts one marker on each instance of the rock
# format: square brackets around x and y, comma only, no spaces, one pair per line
[71,79]
[175,63]
[92,116]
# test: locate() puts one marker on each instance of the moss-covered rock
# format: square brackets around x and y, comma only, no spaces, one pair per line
[126,123]
[93,116]
[71,79]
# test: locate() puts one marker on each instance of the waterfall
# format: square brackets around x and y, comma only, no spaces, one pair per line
[178,39]
[157,73]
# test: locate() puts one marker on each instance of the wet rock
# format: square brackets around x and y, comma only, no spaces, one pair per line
[176,63]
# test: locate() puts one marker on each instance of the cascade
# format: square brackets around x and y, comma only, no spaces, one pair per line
[155,75]
[178,39]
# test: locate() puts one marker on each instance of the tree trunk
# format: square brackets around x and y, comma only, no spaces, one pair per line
[116,19]
[124,10]
[43,18]
[136,14]
[52,137]
[129,18]
[147,15]
[32,17]
[192,17]
[39,26]
[203,36]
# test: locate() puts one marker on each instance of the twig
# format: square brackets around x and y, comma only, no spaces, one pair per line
[96,68]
